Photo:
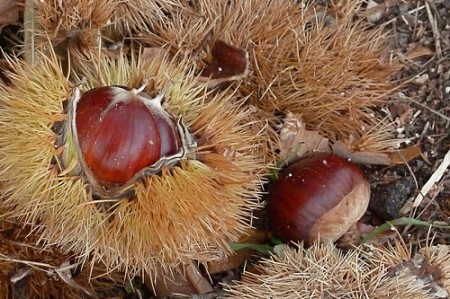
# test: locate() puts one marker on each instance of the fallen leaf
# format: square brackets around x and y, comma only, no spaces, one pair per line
[404,155]
[296,141]
[9,11]
[375,11]
[419,51]
[342,150]
[166,286]
[224,263]
[394,157]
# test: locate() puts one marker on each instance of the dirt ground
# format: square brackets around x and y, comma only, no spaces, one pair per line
[421,39]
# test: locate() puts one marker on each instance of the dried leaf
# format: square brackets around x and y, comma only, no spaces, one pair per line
[230,262]
[419,51]
[375,11]
[225,263]
[178,284]
[296,141]
[198,281]
[344,151]
[400,156]
[9,11]
[188,281]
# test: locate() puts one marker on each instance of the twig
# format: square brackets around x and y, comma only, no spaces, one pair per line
[29,31]
[431,110]
[415,10]
[435,29]
[437,175]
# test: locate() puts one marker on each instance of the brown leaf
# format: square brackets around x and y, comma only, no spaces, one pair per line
[296,141]
[419,51]
[187,282]
[401,156]
[9,11]
[394,157]
[226,263]
[344,151]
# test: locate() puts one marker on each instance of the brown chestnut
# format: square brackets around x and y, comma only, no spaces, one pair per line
[320,196]
[227,62]
[119,132]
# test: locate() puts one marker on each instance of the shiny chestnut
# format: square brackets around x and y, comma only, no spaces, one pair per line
[320,196]
[118,133]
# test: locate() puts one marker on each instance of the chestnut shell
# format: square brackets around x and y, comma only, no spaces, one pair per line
[319,196]
[121,131]
[227,61]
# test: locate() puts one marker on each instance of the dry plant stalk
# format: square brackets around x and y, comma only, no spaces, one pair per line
[323,271]
[190,211]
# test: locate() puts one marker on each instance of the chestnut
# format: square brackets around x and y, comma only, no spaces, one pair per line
[321,196]
[118,132]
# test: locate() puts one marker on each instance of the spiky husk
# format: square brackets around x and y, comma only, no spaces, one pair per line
[72,26]
[188,212]
[429,266]
[320,62]
[330,69]
[193,28]
[28,271]
[69,16]
[79,29]
[136,16]
[323,271]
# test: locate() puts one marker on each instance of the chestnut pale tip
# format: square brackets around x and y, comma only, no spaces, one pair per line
[318,197]
[119,134]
